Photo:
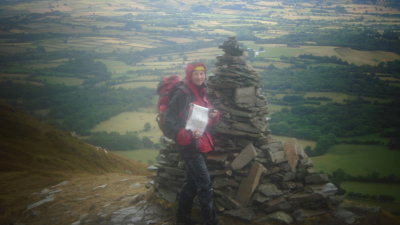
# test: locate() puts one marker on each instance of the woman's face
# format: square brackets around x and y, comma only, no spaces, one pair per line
[198,77]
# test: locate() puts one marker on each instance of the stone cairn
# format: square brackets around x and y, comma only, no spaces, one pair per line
[255,178]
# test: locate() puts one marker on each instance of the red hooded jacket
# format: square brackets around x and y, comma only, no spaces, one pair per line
[179,110]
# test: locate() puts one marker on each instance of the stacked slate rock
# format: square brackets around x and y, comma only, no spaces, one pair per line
[254,177]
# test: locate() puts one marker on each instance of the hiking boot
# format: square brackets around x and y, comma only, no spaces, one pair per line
[212,223]
[184,222]
[190,222]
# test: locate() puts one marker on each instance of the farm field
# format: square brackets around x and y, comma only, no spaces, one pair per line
[364,160]
[136,84]
[359,160]
[131,121]
[275,108]
[68,81]
[357,57]
[373,189]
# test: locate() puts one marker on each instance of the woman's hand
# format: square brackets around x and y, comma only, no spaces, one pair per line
[196,133]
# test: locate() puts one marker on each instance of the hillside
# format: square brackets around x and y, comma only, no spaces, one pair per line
[34,155]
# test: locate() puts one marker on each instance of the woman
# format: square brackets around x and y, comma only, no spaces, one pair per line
[193,145]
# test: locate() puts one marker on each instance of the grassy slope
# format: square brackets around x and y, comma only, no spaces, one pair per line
[34,155]
[141,155]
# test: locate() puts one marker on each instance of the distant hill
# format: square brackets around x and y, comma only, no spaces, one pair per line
[34,155]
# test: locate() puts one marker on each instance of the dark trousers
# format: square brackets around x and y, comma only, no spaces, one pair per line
[197,183]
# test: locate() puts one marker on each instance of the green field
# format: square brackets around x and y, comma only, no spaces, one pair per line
[364,160]
[268,62]
[131,121]
[357,57]
[146,78]
[152,85]
[68,81]
[359,160]
[373,189]
[117,68]
[272,108]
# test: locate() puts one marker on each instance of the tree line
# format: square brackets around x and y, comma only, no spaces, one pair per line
[326,122]
[343,120]
[75,108]
[305,75]
[323,120]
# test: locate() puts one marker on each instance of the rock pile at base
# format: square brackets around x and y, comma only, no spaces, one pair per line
[254,176]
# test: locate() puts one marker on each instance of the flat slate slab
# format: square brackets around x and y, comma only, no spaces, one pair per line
[245,156]
[250,183]
[291,149]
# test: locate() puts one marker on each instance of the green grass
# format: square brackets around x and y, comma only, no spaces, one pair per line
[126,121]
[68,81]
[132,85]
[142,155]
[98,43]
[152,66]
[146,78]
[222,31]
[117,68]
[276,52]
[373,189]
[370,137]
[131,121]
[276,108]
[276,63]
[359,160]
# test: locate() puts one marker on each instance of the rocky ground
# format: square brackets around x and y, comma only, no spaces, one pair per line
[110,199]
[123,199]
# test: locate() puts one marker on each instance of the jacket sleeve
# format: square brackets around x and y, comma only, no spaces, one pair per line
[175,118]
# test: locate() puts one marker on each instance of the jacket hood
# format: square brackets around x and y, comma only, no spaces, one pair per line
[189,70]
